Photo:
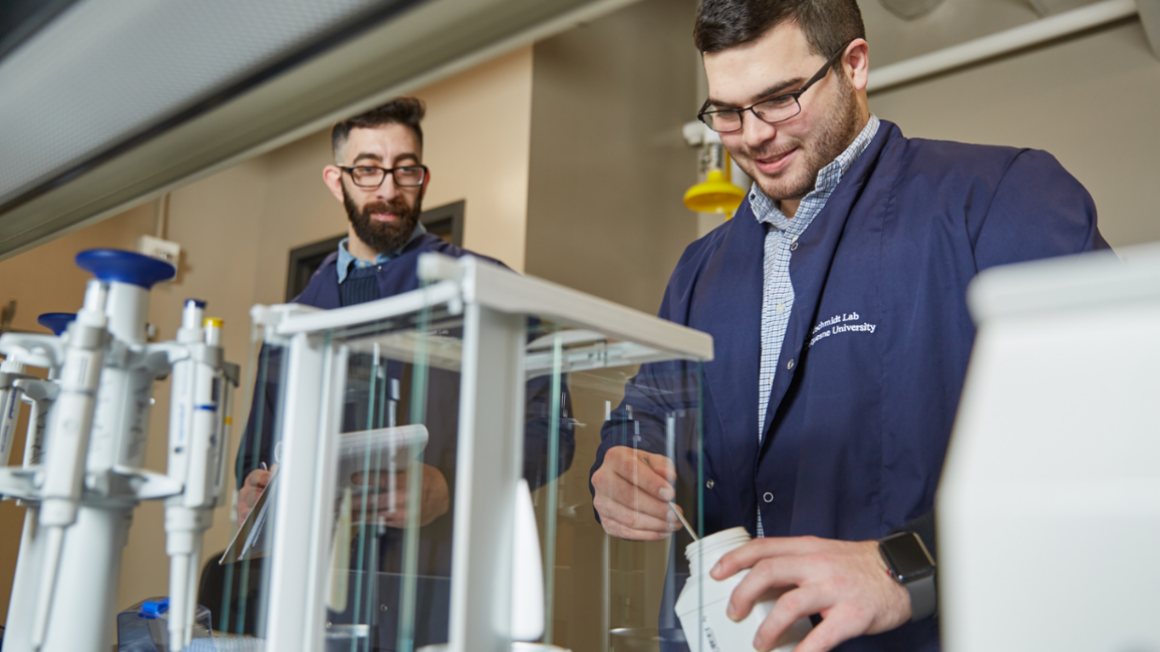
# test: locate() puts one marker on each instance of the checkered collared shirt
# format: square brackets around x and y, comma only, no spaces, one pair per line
[781,235]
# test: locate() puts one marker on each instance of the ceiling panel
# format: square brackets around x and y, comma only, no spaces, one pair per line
[116,101]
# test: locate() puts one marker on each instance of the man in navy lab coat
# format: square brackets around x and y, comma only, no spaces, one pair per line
[836,301]
[379,178]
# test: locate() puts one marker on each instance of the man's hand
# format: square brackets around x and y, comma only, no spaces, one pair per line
[253,487]
[633,490]
[434,499]
[844,581]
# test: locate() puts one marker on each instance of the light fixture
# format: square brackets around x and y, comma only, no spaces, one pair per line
[911,9]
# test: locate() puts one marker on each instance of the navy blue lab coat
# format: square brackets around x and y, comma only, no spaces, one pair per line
[858,418]
[441,419]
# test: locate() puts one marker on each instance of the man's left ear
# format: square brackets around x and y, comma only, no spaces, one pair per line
[856,63]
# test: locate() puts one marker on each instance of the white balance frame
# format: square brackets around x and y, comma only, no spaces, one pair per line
[494,304]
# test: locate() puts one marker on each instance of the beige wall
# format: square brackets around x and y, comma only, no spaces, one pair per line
[236,229]
[1092,101]
[476,140]
[609,163]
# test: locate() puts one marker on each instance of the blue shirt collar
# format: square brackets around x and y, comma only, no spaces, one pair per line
[347,259]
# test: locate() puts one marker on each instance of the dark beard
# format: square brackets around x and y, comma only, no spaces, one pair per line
[383,237]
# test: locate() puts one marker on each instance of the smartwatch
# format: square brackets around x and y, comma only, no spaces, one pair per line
[910,564]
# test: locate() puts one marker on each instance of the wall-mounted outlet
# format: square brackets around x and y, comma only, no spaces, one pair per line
[168,251]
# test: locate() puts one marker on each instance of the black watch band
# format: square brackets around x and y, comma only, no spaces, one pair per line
[923,598]
[911,565]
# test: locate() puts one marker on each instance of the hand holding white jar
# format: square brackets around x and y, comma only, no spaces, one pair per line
[701,605]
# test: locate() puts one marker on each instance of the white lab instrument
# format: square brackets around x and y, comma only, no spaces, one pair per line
[470,318]
[527,573]
[85,486]
[198,430]
[90,478]
[39,395]
[69,431]
[701,606]
[1049,505]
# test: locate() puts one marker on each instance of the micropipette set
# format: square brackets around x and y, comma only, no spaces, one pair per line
[82,474]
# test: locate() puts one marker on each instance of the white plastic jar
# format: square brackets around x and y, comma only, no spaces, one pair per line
[702,603]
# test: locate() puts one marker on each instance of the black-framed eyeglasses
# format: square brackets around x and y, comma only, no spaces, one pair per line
[771,110]
[372,176]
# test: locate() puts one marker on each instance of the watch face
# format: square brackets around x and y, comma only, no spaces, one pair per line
[906,556]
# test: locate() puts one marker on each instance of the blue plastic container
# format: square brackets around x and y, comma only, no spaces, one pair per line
[144,627]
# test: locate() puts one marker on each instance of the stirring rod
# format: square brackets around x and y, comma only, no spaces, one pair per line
[673,506]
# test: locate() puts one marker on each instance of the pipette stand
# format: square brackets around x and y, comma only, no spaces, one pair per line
[89,479]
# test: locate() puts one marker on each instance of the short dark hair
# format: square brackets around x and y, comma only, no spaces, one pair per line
[828,24]
[406,111]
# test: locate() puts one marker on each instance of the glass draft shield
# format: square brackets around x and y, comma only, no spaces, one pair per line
[415,472]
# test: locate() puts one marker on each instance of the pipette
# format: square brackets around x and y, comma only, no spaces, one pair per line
[195,447]
[69,432]
[39,394]
[96,443]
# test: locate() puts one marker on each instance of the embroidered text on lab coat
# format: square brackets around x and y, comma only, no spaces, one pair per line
[839,324]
